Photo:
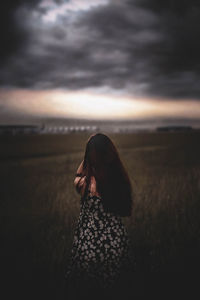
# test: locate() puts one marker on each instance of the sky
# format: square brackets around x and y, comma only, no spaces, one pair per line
[100,59]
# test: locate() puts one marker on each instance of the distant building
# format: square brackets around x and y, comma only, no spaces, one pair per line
[67,129]
[174,128]
[19,129]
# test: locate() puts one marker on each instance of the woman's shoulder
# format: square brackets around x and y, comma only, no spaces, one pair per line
[80,183]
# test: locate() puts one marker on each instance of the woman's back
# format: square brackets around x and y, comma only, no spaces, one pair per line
[100,246]
[100,251]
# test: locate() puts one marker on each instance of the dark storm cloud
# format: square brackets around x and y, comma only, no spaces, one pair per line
[177,61]
[13,35]
[145,47]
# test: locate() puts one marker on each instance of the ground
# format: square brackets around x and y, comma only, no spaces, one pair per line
[39,208]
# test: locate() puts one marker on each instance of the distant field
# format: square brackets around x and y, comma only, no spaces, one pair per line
[39,205]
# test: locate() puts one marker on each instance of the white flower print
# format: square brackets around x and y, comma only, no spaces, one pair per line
[100,244]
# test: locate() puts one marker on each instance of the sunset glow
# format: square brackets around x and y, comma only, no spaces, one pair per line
[100,60]
[58,103]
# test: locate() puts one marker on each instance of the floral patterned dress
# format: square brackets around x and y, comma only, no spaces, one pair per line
[100,250]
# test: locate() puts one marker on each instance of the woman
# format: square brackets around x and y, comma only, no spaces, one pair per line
[101,245]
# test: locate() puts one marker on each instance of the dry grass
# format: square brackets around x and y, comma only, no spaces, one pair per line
[40,207]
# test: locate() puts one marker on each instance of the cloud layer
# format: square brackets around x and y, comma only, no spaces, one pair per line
[141,47]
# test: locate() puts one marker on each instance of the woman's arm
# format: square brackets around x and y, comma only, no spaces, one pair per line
[79,180]
[80,169]
[80,184]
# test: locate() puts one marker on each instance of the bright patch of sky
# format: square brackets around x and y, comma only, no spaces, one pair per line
[59,103]
[53,10]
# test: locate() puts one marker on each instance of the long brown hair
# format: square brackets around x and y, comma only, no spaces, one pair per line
[102,161]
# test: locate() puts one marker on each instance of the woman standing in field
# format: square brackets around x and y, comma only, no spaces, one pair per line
[101,244]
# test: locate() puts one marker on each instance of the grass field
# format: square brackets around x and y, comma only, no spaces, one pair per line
[39,205]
